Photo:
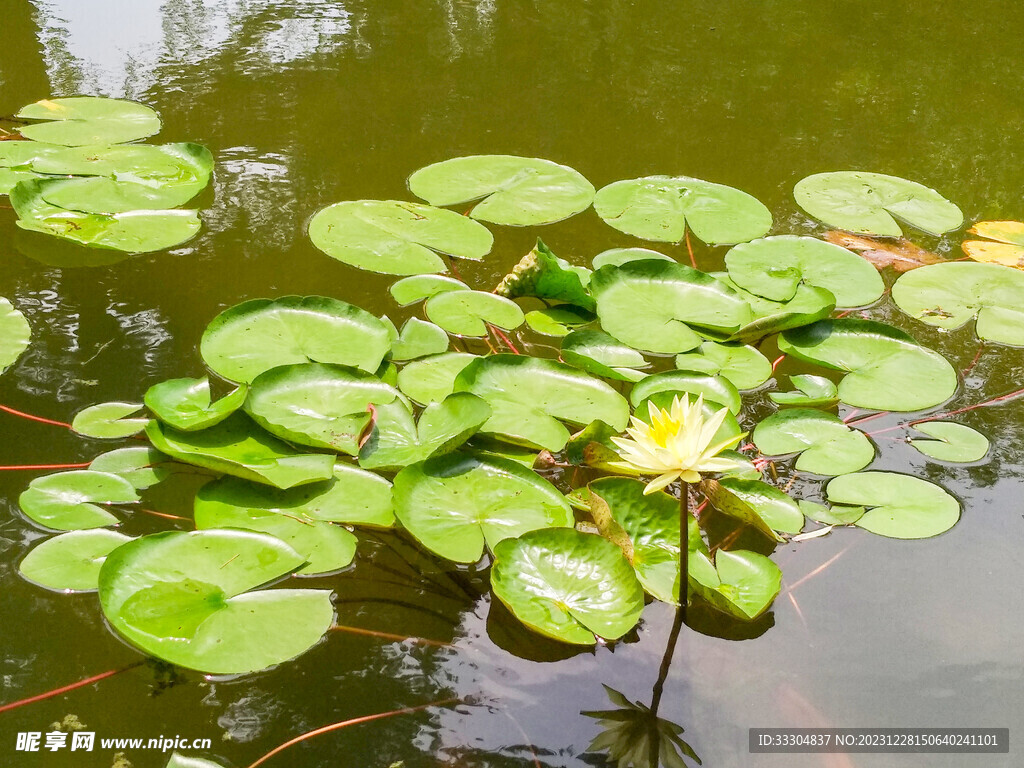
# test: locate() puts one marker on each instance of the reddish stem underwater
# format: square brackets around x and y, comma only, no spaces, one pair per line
[29,416]
[67,688]
[46,466]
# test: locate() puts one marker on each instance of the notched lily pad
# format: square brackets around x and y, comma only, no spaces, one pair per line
[82,120]
[740,583]
[811,391]
[468,313]
[432,379]
[71,562]
[716,389]
[952,442]
[826,445]
[75,500]
[559,320]
[109,420]
[598,353]
[898,506]
[186,404]
[742,365]
[415,288]
[142,466]
[419,339]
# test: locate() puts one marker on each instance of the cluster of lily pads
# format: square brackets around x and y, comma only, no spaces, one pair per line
[75,175]
[330,419]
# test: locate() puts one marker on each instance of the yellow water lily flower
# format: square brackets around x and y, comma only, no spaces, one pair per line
[676,444]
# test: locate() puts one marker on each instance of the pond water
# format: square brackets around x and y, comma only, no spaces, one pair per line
[308,103]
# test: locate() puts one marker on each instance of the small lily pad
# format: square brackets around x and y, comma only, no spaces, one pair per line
[432,379]
[953,442]
[14,334]
[811,391]
[415,288]
[467,313]
[545,276]
[419,339]
[71,562]
[826,445]
[740,583]
[742,365]
[616,257]
[899,506]
[109,420]
[185,404]
[598,353]
[142,465]
[82,120]
[559,320]
[71,501]
[834,515]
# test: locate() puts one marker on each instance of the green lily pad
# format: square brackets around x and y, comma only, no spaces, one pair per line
[744,366]
[467,313]
[395,237]
[109,420]
[71,501]
[25,154]
[773,267]
[454,504]
[415,288]
[419,339]
[397,441]
[835,515]
[530,397]
[899,506]
[953,442]
[598,353]
[826,445]
[185,404]
[542,274]
[14,334]
[11,177]
[873,203]
[518,191]
[252,337]
[184,597]
[716,389]
[887,369]
[238,447]
[142,465]
[808,305]
[559,320]
[575,587]
[651,305]
[82,120]
[739,583]
[432,379]
[811,391]
[755,503]
[71,562]
[616,257]
[323,406]
[662,207]
[950,295]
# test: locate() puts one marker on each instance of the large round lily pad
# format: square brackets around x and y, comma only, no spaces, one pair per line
[75,500]
[81,120]
[455,504]
[185,404]
[899,506]
[950,441]
[742,365]
[14,334]
[519,191]
[185,597]
[71,562]
[468,313]
[575,587]
[249,338]
[826,445]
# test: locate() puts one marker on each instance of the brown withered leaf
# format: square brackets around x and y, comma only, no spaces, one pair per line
[898,253]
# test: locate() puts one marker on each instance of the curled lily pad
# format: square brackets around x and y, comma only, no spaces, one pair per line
[396,237]
[755,503]
[519,191]
[742,365]
[811,391]
[82,120]
[14,334]
[826,445]
[467,313]
[575,587]
[71,501]
[542,274]
[774,267]
[454,504]
[185,597]
[530,397]
[238,447]
[415,288]
[559,320]
[142,465]
[432,379]
[109,420]
[887,369]
[71,562]
[252,337]
[662,207]
[899,506]
[873,203]
[1008,248]
[11,177]
[740,583]
[808,305]
[835,515]
[950,295]
[185,404]
[597,352]
[651,305]
[952,442]
[419,339]
[716,389]
[616,257]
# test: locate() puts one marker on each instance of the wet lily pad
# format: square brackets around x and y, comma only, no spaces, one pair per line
[716,389]
[808,305]
[740,583]
[11,177]
[432,379]
[952,442]
[835,515]
[542,274]
[14,334]
[616,257]
[899,506]
[950,295]
[530,397]
[252,337]
[811,391]
[454,504]
[467,313]
[575,587]
[419,339]
[873,203]
[82,120]
[518,191]
[109,420]
[71,501]
[415,288]
[826,445]
[662,207]
[142,465]
[395,237]
[71,562]
[744,366]
[185,404]
[887,369]
[185,597]
[598,353]
[755,503]
[559,320]
[1008,248]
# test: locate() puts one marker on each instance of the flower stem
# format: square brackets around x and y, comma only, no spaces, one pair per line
[684,547]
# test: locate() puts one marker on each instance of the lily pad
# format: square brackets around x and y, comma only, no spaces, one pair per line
[887,369]
[467,313]
[774,267]
[530,397]
[755,503]
[142,465]
[518,191]
[419,339]
[11,177]
[811,391]
[808,305]
[899,506]
[952,442]
[81,120]
[651,305]
[559,320]
[432,379]
[740,583]
[14,334]
[238,447]
[109,420]
[744,366]
[184,597]
[396,237]
[71,562]
[185,404]
[662,207]
[598,353]
[1008,248]
[72,501]
[950,295]
[873,203]
[252,337]
[575,587]
[616,257]
[826,445]
[716,389]
[454,504]
[835,515]
[415,288]
[542,274]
